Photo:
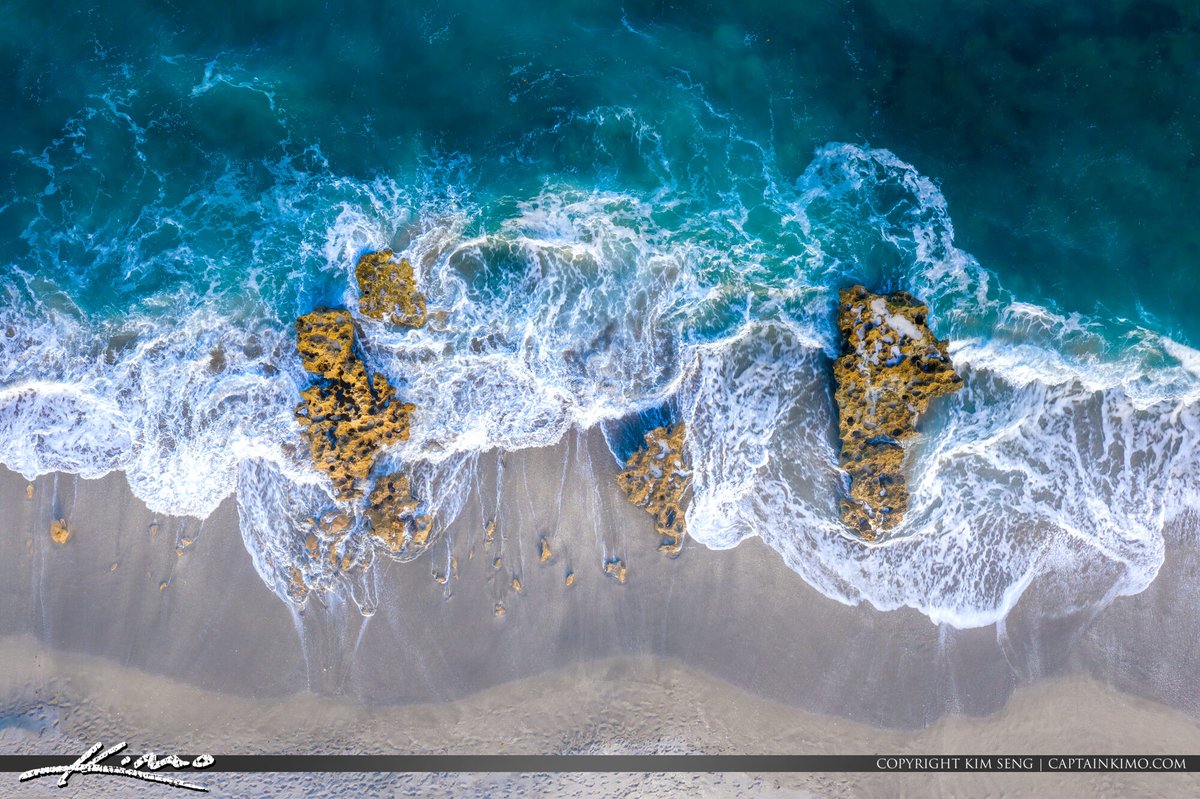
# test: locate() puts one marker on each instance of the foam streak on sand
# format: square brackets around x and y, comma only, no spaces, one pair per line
[1058,463]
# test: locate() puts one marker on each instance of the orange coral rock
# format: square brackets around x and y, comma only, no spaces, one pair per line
[348,415]
[616,569]
[388,290]
[297,587]
[657,479]
[890,368]
[59,532]
[395,518]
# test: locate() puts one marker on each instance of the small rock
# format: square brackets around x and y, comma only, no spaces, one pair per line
[347,414]
[59,532]
[615,568]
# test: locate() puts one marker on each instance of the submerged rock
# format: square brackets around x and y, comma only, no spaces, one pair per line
[389,290]
[395,517]
[348,414]
[656,479]
[890,368]
[297,588]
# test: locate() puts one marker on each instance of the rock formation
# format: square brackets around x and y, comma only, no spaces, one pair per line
[656,479]
[395,517]
[60,533]
[616,569]
[348,415]
[891,366]
[388,290]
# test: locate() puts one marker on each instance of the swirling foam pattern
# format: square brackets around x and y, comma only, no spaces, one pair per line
[156,339]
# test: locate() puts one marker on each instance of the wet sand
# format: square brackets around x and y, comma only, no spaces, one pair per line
[715,651]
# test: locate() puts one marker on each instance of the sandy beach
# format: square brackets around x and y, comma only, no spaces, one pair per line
[126,630]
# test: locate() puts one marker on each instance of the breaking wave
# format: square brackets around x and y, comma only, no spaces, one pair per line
[569,306]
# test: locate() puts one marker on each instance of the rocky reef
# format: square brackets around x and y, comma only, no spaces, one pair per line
[395,517]
[656,479]
[890,368]
[388,290]
[348,414]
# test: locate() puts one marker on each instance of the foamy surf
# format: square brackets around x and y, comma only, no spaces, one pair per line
[1057,464]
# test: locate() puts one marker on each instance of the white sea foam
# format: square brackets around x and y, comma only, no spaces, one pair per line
[1012,484]
[1057,464]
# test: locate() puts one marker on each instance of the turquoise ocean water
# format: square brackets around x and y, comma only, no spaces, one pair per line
[621,209]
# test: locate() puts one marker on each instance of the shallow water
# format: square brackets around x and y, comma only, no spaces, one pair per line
[622,210]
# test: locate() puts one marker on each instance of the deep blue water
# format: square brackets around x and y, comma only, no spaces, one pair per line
[1063,135]
[607,201]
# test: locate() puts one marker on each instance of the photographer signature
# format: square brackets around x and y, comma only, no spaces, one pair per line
[90,762]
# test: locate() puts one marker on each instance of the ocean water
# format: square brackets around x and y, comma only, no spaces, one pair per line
[627,214]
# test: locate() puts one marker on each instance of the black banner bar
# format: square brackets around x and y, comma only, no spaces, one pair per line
[655,763]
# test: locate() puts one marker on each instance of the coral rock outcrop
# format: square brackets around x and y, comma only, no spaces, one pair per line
[348,414]
[388,290]
[396,519]
[890,368]
[60,533]
[656,479]
[616,569]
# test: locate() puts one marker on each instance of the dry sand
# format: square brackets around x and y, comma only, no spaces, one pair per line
[114,634]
